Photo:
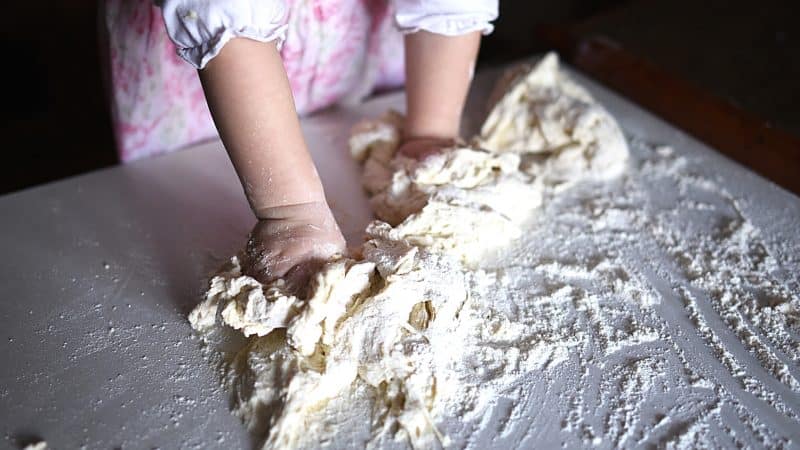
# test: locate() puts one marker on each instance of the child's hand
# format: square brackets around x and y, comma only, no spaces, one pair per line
[422,147]
[292,242]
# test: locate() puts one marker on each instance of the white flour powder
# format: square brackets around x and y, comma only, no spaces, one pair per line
[519,286]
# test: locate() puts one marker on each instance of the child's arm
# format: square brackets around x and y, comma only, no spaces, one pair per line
[251,102]
[438,74]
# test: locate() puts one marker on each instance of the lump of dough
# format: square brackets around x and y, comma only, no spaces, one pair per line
[399,327]
[546,112]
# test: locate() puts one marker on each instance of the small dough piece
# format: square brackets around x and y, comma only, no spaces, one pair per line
[41,445]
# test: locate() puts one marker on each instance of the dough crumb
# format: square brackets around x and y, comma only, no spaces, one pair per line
[41,445]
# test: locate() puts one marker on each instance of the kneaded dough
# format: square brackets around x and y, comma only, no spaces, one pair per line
[400,336]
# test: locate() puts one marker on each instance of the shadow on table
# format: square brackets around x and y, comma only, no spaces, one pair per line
[186,218]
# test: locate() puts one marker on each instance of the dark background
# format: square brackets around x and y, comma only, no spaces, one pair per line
[55,120]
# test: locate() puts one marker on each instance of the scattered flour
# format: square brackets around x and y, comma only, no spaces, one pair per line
[519,286]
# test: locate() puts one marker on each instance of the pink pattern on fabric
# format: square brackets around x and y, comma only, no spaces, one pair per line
[335,51]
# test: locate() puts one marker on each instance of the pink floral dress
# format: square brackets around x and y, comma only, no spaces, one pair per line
[333,51]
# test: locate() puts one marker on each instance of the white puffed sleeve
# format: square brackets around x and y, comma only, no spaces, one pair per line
[447,17]
[200,28]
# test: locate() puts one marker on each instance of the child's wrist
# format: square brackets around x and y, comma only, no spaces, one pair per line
[294,197]
[292,211]
[442,141]
[442,134]
[431,126]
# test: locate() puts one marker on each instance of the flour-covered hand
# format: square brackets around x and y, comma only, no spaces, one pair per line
[292,242]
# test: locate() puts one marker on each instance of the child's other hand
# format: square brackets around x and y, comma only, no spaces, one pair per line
[292,242]
[422,147]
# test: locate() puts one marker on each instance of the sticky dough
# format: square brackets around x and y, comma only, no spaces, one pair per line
[396,334]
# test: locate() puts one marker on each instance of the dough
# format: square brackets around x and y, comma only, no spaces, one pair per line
[563,133]
[401,337]
[41,445]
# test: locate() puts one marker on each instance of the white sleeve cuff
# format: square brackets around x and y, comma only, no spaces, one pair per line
[446,17]
[200,28]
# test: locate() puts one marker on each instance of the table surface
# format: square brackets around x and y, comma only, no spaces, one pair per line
[100,271]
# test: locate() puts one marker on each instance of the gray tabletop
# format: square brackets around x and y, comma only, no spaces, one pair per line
[99,271]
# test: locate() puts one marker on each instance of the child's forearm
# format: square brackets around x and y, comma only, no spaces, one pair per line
[251,102]
[438,74]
